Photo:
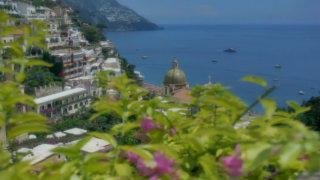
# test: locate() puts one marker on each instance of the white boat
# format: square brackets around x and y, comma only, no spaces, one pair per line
[278,66]
[144,57]
[301,92]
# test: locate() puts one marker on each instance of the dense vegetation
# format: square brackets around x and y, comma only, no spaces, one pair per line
[312,117]
[81,119]
[92,34]
[57,67]
[127,67]
[184,144]
[45,3]
[39,76]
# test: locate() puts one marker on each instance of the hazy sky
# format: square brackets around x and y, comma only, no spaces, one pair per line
[228,11]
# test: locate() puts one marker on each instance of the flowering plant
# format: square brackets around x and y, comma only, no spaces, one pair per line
[203,139]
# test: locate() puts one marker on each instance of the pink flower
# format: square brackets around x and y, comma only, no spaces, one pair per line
[173,131]
[52,142]
[159,126]
[133,158]
[146,125]
[233,164]
[143,169]
[163,165]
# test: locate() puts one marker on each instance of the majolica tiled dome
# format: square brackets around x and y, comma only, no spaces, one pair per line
[175,75]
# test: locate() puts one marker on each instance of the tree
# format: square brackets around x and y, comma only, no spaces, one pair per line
[92,34]
[127,68]
[312,117]
[45,3]
[81,119]
[39,76]
[56,67]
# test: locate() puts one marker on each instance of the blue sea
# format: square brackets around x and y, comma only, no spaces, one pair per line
[259,48]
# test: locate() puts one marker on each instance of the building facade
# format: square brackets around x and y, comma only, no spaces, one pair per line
[63,103]
[72,60]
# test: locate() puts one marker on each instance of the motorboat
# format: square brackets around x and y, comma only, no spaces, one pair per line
[301,92]
[278,66]
[230,50]
[144,57]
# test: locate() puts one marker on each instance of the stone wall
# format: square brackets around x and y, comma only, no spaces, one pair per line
[47,90]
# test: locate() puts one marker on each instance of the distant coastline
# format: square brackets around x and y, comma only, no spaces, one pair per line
[259,48]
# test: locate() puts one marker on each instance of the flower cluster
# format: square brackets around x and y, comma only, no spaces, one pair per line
[233,164]
[147,125]
[48,110]
[158,167]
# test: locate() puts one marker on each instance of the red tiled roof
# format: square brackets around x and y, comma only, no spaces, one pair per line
[183,95]
[153,89]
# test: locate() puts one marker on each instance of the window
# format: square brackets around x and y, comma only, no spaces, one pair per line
[76,106]
[70,108]
[81,104]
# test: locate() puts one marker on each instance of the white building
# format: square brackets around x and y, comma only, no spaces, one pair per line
[76,131]
[95,145]
[42,153]
[26,10]
[63,103]
[106,44]
[9,7]
[112,64]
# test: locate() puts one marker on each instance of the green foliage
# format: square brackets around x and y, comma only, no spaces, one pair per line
[40,76]
[45,3]
[57,67]
[105,52]
[271,146]
[255,80]
[312,118]
[92,34]
[13,121]
[81,120]
[128,68]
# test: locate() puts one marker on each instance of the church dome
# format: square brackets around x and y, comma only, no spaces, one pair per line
[175,75]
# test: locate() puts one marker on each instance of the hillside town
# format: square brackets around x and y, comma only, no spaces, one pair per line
[81,61]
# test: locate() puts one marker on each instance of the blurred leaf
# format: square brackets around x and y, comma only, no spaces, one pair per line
[208,164]
[289,154]
[20,129]
[106,137]
[123,170]
[255,80]
[269,106]
[146,155]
